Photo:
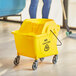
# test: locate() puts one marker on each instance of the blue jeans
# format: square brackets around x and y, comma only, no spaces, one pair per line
[45,10]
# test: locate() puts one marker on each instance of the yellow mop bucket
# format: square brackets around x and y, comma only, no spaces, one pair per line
[37,38]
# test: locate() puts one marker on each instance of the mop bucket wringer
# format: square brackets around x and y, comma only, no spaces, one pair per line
[37,38]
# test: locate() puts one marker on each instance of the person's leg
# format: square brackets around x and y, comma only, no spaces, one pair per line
[46,8]
[33,8]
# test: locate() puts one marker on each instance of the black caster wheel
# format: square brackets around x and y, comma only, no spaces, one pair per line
[55,58]
[41,59]
[35,64]
[16,61]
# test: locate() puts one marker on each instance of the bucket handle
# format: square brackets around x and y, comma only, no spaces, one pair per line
[56,38]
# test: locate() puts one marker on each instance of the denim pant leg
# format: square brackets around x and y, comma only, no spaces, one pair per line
[33,8]
[46,8]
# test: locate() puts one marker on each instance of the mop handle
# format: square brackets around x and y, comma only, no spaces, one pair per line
[63,9]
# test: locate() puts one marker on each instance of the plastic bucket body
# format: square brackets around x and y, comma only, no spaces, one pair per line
[36,44]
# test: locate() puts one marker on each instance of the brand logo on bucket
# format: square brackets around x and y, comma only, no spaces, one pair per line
[46,44]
